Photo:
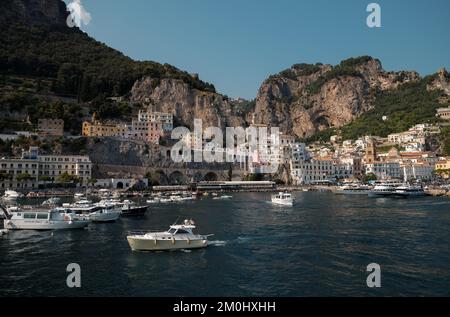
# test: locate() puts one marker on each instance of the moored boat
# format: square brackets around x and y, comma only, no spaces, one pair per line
[130,209]
[11,195]
[385,189]
[54,219]
[107,213]
[409,191]
[352,189]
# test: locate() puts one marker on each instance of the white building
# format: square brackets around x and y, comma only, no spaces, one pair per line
[27,172]
[420,171]
[313,171]
[384,170]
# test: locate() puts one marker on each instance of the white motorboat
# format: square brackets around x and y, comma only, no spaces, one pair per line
[52,201]
[58,218]
[3,232]
[131,209]
[11,195]
[107,213]
[284,199]
[179,236]
[409,191]
[353,189]
[383,190]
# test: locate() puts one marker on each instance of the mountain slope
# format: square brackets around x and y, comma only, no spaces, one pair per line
[35,41]
[306,99]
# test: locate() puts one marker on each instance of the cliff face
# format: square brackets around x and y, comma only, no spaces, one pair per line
[32,12]
[186,103]
[441,81]
[306,99]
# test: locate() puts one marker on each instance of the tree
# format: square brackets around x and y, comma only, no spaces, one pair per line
[370,177]
[253,177]
[23,177]
[5,176]
[66,178]
[45,178]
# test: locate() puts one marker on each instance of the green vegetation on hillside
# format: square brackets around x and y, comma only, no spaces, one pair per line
[409,104]
[78,65]
[345,68]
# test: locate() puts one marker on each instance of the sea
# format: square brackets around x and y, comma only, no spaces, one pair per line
[323,246]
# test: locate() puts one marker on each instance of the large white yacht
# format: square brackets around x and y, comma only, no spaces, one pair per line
[179,236]
[409,191]
[384,189]
[58,218]
[284,199]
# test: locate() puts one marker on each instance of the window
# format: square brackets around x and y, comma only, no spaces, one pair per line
[181,231]
[42,216]
[29,215]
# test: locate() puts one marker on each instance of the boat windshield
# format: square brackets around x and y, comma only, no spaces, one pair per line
[171,230]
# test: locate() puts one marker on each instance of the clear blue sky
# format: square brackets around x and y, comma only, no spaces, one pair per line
[236,44]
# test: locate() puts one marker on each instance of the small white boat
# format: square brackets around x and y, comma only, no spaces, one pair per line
[52,201]
[177,237]
[107,213]
[284,199]
[55,219]
[11,195]
[3,232]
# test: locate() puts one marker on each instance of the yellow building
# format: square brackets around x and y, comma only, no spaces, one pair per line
[97,129]
[443,167]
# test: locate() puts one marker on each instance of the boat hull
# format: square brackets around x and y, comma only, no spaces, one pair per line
[409,194]
[139,244]
[134,211]
[105,217]
[283,203]
[380,194]
[20,224]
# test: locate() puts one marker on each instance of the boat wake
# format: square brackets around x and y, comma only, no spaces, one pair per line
[217,243]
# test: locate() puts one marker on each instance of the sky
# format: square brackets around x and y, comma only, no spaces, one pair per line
[237,44]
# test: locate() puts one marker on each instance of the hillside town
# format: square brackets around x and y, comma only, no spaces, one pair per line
[403,156]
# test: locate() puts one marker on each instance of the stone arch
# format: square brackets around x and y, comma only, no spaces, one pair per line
[119,185]
[178,178]
[160,177]
[210,177]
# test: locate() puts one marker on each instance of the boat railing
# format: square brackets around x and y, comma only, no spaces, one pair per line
[142,232]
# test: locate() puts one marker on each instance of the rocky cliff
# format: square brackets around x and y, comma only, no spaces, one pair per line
[33,12]
[307,98]
[186,103]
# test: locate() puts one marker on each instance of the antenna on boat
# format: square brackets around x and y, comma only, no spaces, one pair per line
[176,220]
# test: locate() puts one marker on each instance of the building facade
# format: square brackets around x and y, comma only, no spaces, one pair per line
[50,127]
[384,170]
[34,169]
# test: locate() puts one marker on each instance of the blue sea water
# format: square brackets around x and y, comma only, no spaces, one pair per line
[320,247]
